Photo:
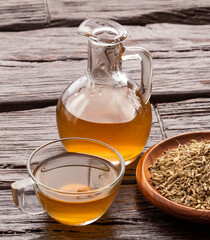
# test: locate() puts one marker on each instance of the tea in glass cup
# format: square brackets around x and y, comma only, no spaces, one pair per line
[73,186]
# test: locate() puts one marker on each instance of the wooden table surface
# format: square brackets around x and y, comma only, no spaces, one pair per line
[41,53]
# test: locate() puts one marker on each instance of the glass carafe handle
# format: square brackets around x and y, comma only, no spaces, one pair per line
[138,53]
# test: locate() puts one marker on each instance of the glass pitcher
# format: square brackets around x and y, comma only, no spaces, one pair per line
[105,104]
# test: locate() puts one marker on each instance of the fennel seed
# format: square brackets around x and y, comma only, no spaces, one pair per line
[183,174]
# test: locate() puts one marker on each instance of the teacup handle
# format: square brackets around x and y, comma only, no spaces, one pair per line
[138,53]
[25,198]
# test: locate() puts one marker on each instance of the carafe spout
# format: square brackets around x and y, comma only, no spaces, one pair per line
[103,31]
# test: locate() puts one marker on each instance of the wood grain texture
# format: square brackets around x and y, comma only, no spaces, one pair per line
[40,65]
[185,116]
[24,131]
[30,14]
[133,12]
[130,217]
[23,14]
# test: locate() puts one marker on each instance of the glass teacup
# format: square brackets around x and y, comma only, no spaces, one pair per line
[73,185]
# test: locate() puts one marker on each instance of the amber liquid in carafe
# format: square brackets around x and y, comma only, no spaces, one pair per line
[109,115]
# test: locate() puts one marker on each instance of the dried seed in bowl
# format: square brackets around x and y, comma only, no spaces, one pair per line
[183,174]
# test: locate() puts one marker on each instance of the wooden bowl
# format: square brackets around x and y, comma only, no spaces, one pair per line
[153,195]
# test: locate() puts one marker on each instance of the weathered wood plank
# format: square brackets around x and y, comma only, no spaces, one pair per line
[40,65]
[129,217]
[185,116]
[23,14]
[133,12]
[62,44]
[24,131]
[54,44]
[26,14]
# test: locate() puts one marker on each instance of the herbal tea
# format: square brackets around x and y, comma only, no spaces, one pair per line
[105,104]
[111,117]
[73,178]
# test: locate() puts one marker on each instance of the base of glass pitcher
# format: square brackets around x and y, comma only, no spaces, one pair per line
[131,160]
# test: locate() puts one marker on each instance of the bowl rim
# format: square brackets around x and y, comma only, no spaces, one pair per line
[150,188]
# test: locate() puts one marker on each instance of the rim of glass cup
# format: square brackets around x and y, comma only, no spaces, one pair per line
[112,184]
